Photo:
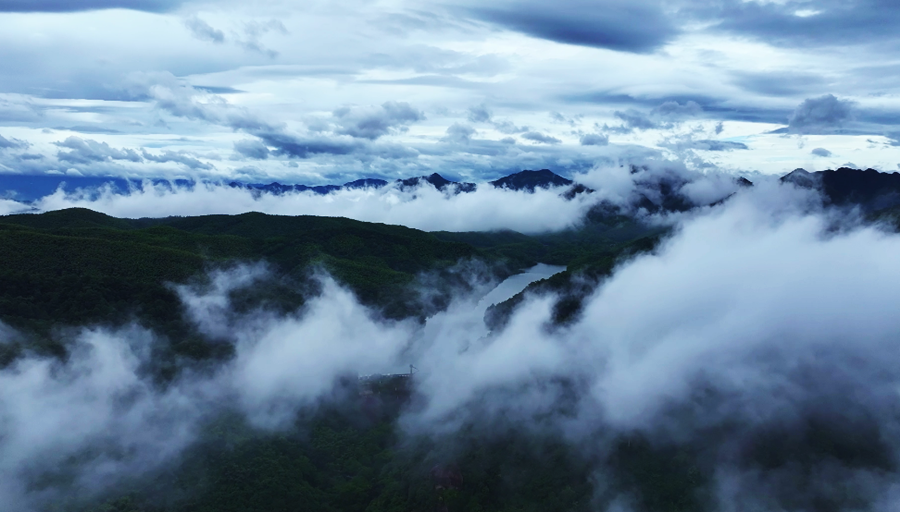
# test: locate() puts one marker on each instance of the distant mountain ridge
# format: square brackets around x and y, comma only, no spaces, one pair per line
[24,187]
[655,192]
[524,180]
[869,189]
[530,180]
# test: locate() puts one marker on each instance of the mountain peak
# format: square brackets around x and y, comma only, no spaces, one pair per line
[439,182]
[870,189]
[800,177]
[530,180]
[365,183]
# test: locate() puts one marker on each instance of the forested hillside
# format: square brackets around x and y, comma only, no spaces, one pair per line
[77,267]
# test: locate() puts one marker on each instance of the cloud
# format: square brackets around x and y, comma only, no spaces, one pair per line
[87,5]
[822,115]
[180,157]
[293,146]
[594,139]
[805,24]
[663,117]
[422,207]
[203,31]
[249,38]
[715,145]
[9,207]
[459,133]
[354,123]
[508,127]
[84,151]
[821,152]
[252,148]
[479,114]
[253,32]
[12,143]
[634,120]
[540,138]
[100,409]
[676,109]
[372,123]
[637,27]
[649,186]
[95,407]
[283,364]
[757,342]
[737,341]
[780,83]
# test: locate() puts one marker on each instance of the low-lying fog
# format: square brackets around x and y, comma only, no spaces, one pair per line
[761,320]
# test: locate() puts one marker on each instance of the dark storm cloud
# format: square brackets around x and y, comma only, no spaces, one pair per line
[83,151]
[821,152]
[87,5]
[12,143]
[540,138]
[369,123]
[825,114]
[594,139]
[825,22]
[629,26]
[203,31]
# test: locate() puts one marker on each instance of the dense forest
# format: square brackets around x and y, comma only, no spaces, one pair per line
[350,450]
[76,267]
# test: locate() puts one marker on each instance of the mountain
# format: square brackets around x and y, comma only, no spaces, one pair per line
[439,182]
[869,189]
[79,267]
[278,188]
[365,183]
[801,178]
[32,187]
[530,180]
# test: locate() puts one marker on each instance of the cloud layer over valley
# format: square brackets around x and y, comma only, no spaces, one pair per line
[420,205]
[762,325]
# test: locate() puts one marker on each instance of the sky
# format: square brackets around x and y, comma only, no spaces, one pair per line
[329,91]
